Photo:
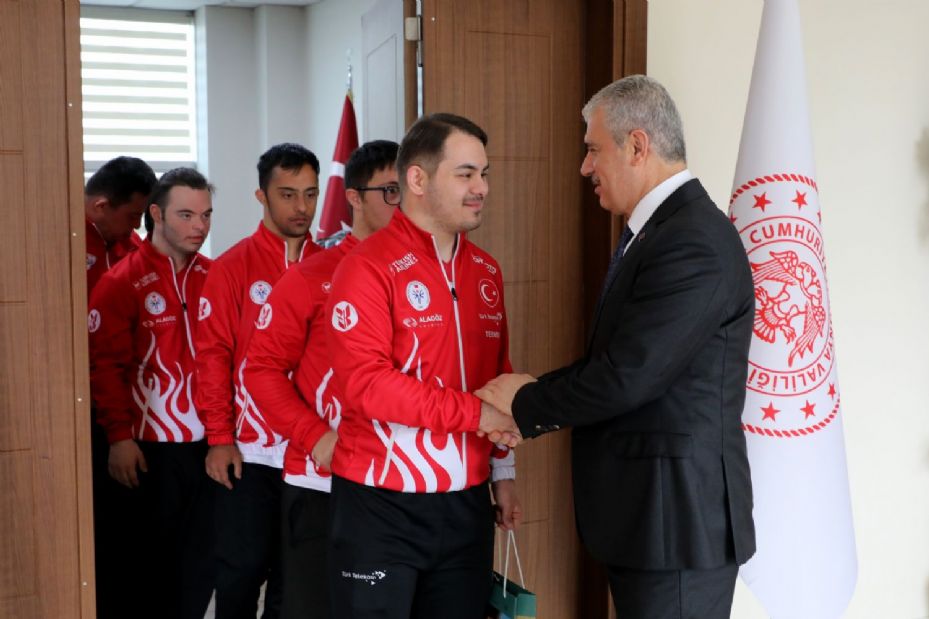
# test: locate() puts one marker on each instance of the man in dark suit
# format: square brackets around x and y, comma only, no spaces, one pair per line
[661,479]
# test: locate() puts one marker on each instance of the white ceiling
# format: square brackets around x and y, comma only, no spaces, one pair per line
[190,5]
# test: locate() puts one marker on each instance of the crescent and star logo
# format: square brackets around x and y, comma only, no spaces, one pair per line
[155,304]
[418,295]
[489,293]
[205,309]
[344,316]
[93,321]
[264,316]
[259,291]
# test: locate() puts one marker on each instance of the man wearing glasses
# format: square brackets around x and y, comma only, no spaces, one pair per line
[288,374]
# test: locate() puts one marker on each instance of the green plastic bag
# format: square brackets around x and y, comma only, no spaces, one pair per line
[510,600]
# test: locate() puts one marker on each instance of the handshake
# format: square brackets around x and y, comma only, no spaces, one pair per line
[497,422]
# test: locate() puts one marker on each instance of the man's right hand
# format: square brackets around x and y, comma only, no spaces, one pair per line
[218,460]
[498,427]
[125,456]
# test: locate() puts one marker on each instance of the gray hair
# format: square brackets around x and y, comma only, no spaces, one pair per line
[640,102]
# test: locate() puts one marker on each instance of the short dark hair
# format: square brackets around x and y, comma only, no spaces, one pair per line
[118,179]
[287,156]
[367,160]
[424,142]
[178,177]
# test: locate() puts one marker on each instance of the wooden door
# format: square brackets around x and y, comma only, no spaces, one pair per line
[46,565]
[516,69]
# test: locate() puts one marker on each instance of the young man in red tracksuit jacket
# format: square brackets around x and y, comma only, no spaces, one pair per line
[417,320]
[141,320]
[247,523]
[289,375]
[115,198]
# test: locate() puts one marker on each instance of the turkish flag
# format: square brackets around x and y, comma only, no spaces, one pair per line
[805,566]
[336,216]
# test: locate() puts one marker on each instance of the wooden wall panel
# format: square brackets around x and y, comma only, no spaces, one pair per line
[18,570]
[44,448]
[516,69]
[15,430]
[11,76]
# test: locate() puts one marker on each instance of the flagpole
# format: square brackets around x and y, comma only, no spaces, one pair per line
[348,79]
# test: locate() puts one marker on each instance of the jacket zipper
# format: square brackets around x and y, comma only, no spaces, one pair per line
[461,360]
[183,300]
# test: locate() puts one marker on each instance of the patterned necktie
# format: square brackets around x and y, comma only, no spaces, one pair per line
[614,262]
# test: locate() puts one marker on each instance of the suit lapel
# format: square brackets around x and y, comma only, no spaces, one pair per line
[686,193]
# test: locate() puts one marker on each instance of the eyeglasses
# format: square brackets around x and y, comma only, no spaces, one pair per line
[391,193]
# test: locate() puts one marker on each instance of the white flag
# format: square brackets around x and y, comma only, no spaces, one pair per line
[805,566]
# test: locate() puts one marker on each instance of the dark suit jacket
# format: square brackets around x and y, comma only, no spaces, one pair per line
[661,477]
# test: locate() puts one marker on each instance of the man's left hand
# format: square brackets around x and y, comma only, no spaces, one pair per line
[500,391]
[506,504]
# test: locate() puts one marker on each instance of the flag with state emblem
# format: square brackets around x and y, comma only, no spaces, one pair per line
[805,566]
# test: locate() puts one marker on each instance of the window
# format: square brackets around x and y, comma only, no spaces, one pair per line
[137,70]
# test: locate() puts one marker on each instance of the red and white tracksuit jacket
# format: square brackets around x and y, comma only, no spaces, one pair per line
[101,258]
[231,303]
[141,347]
[409,338]
[288,371]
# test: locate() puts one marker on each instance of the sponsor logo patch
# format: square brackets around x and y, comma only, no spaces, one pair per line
[93,321]
[264,316]
[205,309]
[370,578]
[344,316]
[145,280]
[403,263]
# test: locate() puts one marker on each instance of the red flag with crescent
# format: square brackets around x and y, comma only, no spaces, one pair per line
[335,216]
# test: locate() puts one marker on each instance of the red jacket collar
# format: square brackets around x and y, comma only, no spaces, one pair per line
[270,242]
[421,239]
[163,264]
[349,242]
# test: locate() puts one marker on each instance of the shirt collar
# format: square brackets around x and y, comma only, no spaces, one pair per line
[650,202]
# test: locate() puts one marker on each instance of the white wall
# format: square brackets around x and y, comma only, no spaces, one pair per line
[252,85]
[332,28]
[228,128]
[868,78]
[269,75]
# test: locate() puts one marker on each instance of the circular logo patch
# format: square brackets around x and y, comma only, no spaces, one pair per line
[93,321]
[344,316]
[264,316]
[418,295]
[155,304]
[489,293]
[205,309]
[259,291]
[91,261]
